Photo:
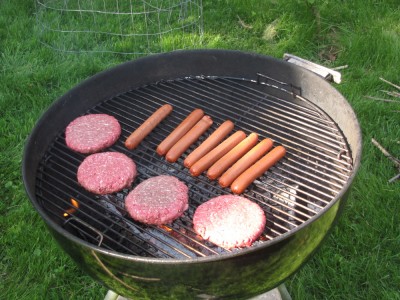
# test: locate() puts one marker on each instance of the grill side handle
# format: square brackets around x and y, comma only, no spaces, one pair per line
[324,72]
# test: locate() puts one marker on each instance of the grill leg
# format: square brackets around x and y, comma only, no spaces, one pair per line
[113,296]
[279,293]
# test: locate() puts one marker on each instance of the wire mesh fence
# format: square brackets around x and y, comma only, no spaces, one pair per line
[120,26]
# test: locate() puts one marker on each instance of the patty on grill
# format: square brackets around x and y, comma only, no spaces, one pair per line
[106,172]
[92,133]
[229,221]
[158,200]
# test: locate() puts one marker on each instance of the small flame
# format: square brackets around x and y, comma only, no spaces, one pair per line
[71,210]
[166,228]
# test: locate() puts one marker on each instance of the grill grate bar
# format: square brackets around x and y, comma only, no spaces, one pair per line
[146,161]
[286,126]
[182,248]
[284,195]
[130,122]
[326,154]
[287,115]
[177,171]
[275,207]
[308,197]
[323,171]
[322,183]
[322,186]
[290,193]
[190,239]
[239,97]
[303,166]
[61,180]
[287,106]
[309,187]
[60,210]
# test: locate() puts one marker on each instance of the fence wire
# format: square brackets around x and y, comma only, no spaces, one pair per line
[120,26]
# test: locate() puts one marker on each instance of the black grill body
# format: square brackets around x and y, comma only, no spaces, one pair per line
[278,100]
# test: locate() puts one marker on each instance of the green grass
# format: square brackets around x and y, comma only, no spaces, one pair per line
[359,260]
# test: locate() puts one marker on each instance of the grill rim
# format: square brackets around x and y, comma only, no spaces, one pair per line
[55,107]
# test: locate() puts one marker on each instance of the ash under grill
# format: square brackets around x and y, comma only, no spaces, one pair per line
[316,167]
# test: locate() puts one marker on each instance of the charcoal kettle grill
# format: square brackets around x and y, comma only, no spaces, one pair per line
[302,196]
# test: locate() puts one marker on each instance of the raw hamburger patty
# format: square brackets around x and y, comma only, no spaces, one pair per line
[92,133]
[229,221]
[106,172]
[158,200]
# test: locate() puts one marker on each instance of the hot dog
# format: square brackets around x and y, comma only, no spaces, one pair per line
[143,130]
[179,131]
[188,139]
[232,156]
[210,143]
[245,162]
[256,170]
[211,157]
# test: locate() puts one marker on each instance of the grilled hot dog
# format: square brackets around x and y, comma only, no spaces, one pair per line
[257,169]
[210,143]
[245,162]
[232,156]
[179,131]
[211,157]
[143,130]
[188,139]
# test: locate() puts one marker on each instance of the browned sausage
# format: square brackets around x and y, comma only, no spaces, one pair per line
[210,143]
[232,156]
[188,139]
[245,162]
[256,170]
[143,130]
[211,157]
[179,131]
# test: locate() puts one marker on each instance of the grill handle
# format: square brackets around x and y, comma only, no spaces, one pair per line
[324,72]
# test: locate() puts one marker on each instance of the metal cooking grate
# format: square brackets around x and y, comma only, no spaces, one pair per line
[316,167]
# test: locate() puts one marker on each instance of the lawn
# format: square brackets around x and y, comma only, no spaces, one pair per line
[359,260]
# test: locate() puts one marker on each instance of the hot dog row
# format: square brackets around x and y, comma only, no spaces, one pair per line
[236,161]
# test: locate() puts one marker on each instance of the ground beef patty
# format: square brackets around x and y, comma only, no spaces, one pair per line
[229,221]
[158,200]
[92,133]
[106,172]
